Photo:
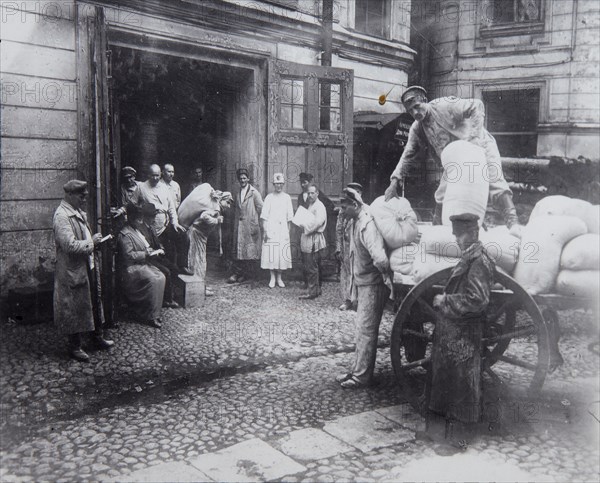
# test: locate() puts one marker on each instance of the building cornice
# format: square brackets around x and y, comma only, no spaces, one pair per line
[274,24]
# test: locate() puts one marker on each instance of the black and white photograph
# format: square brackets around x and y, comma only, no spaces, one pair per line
[299,241]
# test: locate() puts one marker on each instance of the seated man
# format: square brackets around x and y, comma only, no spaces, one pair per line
[166,266]
[142,284]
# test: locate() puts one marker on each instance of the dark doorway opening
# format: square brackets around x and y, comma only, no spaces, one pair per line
[179,110]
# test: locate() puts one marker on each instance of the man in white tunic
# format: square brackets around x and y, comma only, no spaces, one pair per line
[313,244]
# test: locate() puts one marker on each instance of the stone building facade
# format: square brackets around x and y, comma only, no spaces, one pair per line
[535,64]
[88,87]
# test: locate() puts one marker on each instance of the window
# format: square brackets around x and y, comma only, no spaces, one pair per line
[371,17]
[512,118]
[330,108]
[292,104]
[515,11]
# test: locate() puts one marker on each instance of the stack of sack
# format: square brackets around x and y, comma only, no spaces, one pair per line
[437,249]
[560,248]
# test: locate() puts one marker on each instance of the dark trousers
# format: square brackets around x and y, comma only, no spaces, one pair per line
[313,271]
[176,245]
[169,270]
[247,268]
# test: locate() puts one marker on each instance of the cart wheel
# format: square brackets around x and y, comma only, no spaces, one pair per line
[515,343]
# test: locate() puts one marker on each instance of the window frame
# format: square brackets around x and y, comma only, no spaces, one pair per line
[304,104]
[386,21]
[489,28]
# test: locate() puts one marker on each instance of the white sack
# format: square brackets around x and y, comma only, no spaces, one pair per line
[498,242]
[541,246]
[578,283]
[466,179]
[401,259]
[581,253]
[592,218]
[559,205]
[395,220]
[427,264]
[196,202]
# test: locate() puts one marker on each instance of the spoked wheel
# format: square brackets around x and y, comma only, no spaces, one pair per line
[515,342]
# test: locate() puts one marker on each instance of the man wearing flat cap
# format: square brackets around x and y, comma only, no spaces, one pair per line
[343,232]
[454,405]
[370,270]
[247,240]
[437,124]
[77,291]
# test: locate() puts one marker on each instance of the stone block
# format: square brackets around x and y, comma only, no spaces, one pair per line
[404,415]
[175,472]
[189,291]
[312,444]
[368,431]
[251,460]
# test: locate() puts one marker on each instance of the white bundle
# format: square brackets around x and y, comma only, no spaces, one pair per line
[592,218]
[581,253]
[559,205]
[395,220]
[541,246]
[467,180]
[579,283]
[199,200]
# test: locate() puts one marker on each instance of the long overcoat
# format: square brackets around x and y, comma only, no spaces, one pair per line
[73,290]
[456,352]
[246,228]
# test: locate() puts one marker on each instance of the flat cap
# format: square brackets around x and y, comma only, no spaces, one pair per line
[306,177]
[125,170]
[278,178]
[352,195]
[412,92]
[464,222]
[356,186]
[242,171]
[75,186]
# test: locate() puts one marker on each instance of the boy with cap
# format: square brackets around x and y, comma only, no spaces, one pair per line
[343,230]
[454,404]
[77,293]
[437,124]
[370,270]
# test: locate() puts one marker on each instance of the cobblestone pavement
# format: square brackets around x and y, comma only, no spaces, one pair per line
[258,363]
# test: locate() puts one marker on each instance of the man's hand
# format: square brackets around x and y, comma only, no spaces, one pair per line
[437,301]
[265,238]
[392,190]
[96,239]
[178,227]
[219,219]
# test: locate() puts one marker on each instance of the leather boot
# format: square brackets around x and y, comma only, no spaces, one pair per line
[437,214]
[100,342]
[75,350]
[505,205]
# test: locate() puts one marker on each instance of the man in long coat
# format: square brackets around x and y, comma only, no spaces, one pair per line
[455,393]
[247,240]
[77,291]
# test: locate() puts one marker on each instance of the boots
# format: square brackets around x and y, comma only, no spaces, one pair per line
[505,205]
[100,342]
[75,350]
[437,214]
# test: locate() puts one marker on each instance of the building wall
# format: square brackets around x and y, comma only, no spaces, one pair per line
[39,133]
[467,57]
[42,100]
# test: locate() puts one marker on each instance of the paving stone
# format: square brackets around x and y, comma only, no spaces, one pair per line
[250,460]
[172,472]
[368,431]
[311,444]
[404,415]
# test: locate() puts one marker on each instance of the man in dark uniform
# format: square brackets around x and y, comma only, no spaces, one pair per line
[454,405]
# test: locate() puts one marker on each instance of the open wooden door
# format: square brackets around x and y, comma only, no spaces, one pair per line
[310,125]
[106,163]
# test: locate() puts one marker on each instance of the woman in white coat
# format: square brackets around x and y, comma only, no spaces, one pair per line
[276,215]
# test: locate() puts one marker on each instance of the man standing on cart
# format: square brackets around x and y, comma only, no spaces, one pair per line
[455,393]
[437,124]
